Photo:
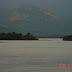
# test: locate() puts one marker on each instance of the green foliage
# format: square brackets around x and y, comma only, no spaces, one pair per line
[16,36]
[67,38]
[28,36]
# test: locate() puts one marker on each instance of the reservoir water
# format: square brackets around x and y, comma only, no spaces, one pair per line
[43,55]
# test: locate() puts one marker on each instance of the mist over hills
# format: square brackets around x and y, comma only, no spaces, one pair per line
[62,8]
[33,19]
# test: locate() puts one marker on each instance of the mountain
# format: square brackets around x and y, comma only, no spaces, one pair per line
[3,27]
[62,8]
[33,19]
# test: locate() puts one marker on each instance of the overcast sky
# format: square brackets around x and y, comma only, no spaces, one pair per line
[59,7]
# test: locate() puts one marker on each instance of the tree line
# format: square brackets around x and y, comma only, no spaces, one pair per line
[67,38]
[17,36]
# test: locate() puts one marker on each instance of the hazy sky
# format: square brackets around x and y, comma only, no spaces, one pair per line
[59,7]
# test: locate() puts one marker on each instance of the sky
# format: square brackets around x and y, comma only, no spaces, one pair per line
[61,8]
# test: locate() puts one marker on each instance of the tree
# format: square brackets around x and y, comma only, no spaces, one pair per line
[16,36]
[67,38]
[29,36]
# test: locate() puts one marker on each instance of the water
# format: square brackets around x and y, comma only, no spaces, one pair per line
[44,55]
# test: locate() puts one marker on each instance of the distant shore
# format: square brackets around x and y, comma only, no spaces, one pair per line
[17,36]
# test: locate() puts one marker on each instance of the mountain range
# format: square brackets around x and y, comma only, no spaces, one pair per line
[35,20]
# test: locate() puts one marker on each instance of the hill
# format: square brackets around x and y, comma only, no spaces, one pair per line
[34,20]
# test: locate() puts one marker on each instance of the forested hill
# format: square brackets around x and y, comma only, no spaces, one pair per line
[33,19]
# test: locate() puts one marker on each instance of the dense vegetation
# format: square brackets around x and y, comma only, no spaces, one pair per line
[67,38]
[17,36]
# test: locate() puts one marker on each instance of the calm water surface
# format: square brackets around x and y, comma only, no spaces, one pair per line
[44,55]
